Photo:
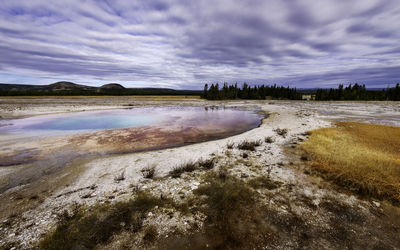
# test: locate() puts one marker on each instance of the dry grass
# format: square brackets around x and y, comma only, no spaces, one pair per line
[249,145]
[269,139]
[177,171]
[207,164]
[282,132]
[264,182]
[233,219]
[89,228]
[191,166]
[360,156]
[148,172]
[230,145]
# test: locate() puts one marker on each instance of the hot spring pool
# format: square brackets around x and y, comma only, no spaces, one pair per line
[44,144]
[233,120]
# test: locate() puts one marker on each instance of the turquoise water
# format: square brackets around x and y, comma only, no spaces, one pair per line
[129,118]
[94,122]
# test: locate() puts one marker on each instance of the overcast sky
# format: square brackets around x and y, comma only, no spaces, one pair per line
[184,44]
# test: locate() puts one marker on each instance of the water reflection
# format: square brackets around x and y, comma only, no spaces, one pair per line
[81,122]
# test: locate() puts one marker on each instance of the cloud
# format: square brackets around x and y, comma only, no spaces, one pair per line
[182,44]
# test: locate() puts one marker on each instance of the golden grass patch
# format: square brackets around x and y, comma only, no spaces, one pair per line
[361,156]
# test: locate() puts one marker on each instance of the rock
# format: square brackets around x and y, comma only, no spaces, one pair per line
[377,204]
[30,225]
[120,177]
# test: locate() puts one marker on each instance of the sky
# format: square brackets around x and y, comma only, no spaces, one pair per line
[184,44]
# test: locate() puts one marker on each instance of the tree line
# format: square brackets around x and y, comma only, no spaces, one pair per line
[104,92]
[214,92]
[358,92]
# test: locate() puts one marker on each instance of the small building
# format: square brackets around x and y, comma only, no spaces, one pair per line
[308,97]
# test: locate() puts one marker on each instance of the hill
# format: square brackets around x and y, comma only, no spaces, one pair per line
[112,86]
[70,88]
[60,86]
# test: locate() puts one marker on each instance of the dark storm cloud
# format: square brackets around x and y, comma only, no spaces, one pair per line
[324,46]
[238,40]
[300,17]
[375,77]
[183,44]
[67,64]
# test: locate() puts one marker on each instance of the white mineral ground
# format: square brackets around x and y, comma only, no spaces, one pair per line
[60,193]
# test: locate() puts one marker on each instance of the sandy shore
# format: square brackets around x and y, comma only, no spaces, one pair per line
[92,179]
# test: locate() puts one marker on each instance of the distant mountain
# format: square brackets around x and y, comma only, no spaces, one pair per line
[112,86]
[19,87]
[70,88]
[67,86]
[58,86]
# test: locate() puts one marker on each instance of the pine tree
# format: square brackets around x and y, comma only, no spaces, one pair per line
[205,91]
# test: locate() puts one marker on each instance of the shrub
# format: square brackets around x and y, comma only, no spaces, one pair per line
[89,228]
[148,172]
[230,145]
[207,164]
[269,139]
[249,145]
[185,167]
[222,173]
[264,182]
[234,218]
[230,212]
[150,234]
[224,196]
[282,132]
